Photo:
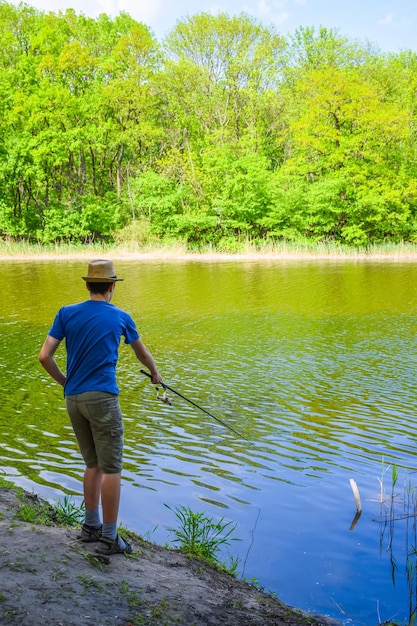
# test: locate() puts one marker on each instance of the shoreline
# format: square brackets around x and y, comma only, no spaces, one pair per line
[49,577]
[120,254]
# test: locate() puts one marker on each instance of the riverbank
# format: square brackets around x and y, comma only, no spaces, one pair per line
[49,577]
[176,253]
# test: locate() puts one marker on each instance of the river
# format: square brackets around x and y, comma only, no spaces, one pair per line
[311,362]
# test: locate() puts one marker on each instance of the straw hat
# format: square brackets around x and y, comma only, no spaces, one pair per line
[101,271]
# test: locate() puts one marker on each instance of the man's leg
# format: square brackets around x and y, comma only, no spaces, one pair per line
[107,428]
[92,487]
[91,530]
[92,527]
[110,497]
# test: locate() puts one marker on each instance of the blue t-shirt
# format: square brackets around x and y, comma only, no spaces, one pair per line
[92,332]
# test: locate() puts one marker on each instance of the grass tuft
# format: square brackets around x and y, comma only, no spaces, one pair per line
[201,537]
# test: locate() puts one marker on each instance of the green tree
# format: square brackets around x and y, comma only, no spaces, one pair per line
[226,131]
[71,104]
[345,140]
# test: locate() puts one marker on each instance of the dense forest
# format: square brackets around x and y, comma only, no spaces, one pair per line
[223,132]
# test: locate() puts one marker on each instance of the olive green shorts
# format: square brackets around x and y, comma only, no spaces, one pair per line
[98,426]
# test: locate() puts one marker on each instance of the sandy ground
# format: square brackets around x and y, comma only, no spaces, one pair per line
[49,578]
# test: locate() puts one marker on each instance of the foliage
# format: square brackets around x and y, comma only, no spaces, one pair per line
[5,484]
[68,512]
[34,510]
[223,132]
[200,536]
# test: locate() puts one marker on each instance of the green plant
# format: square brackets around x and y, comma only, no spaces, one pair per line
[394,509]
[5,484]
[58,573]
[134,602]
[148,535]
[255,583]
[68,512]
[92,558]
[202,537]
[19,566]
[88,582]
[33,511]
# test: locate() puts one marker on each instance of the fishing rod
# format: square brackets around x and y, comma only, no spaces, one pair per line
[165,386]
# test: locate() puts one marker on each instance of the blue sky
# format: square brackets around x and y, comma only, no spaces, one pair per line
[390,24]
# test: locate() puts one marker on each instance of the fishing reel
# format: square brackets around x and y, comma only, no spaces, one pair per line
[164,397]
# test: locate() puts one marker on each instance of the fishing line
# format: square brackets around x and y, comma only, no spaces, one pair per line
[251,543]
[165,386]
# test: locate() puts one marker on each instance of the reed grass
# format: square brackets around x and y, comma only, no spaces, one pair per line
[21,250]
[200,536]
[396,507]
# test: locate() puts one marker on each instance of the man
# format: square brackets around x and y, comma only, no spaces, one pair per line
[92,330]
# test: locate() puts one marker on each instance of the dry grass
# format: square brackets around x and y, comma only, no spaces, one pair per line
[21,251]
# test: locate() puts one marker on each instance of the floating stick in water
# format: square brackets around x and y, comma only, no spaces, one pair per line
[358,503]
[356,495]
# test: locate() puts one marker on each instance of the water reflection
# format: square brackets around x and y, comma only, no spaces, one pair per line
[313,362]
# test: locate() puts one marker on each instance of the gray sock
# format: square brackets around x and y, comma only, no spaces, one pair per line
[110,531]
[92,518]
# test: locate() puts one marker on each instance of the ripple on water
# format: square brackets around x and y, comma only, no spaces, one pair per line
[313,363]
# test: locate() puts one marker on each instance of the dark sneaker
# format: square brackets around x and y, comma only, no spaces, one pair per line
[112,546]
[90,534]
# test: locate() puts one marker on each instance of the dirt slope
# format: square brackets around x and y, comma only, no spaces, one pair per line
[48,577]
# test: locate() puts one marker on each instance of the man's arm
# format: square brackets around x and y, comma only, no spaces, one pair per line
[146,358]
[46,358]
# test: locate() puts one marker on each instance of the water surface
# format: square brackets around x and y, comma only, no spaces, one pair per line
[313,362]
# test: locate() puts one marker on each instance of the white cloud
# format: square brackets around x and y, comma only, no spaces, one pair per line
[263,8]
[388,19]
[280,18]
